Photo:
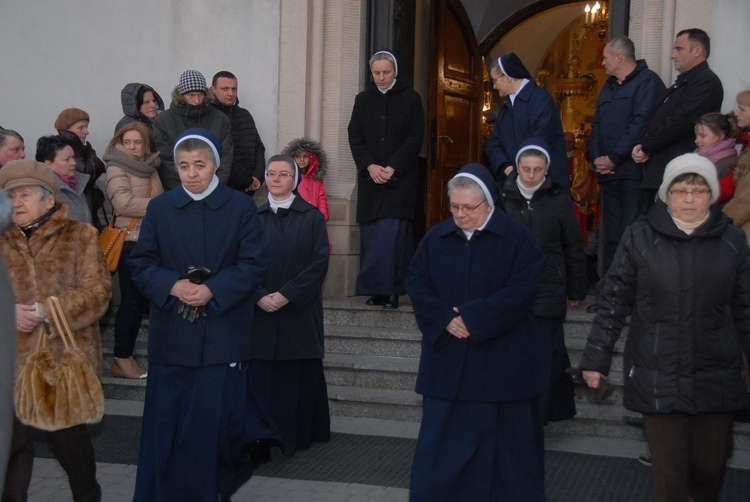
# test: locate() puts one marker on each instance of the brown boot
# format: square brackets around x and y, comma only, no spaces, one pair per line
[127,367]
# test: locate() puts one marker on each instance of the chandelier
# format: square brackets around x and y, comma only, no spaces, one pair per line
[596,19]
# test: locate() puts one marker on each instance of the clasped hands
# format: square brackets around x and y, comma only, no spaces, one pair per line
[457,327]
[272,302]
[379,174]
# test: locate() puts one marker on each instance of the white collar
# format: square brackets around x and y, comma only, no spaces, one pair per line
[513,96]
[468,234]
[387,88]
[283,204]
[205,193]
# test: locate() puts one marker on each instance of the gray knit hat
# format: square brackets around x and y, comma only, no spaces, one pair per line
[192,81]
[690,163]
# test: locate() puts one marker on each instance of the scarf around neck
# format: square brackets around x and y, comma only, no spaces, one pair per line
[719,150]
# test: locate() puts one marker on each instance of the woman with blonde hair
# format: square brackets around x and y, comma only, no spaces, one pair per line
[132,181]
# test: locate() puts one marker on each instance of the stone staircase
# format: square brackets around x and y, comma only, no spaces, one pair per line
[371,365]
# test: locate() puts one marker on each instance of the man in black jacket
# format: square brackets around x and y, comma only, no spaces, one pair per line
[249,160]
[696,91]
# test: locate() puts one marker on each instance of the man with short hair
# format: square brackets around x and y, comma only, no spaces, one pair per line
[11,146]
[249,160]
[190,108]
[696,91]
[623,110]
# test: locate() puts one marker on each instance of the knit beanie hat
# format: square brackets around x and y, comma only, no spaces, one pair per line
[511,65]
[204,136]
[191,81]
[482,176]
[28,172]
[68,117]
[534,144]
[690,163]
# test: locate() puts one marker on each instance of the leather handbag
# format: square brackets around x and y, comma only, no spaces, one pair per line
[112,239]
[54,393]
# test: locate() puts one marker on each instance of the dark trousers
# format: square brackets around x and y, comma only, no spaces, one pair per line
[688,455]
[73,450]
[132,307]
[625,202]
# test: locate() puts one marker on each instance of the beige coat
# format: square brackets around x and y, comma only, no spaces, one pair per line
[739,207]
[129,194]
[62,258]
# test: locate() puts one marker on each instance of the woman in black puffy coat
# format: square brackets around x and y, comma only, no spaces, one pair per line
[683,274]
[532,198]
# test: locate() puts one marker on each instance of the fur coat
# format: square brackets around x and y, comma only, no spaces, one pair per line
[63,258]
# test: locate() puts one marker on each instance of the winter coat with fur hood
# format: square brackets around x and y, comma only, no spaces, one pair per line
[62,258]
[129,100]
[311,187]
[170,124]
[129,182]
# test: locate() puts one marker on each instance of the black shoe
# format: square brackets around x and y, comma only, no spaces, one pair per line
[391,303]
[260,452]
[593,308]
[645,459]
[376,300]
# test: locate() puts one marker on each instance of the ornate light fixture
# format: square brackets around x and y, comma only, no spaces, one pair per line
[596,19]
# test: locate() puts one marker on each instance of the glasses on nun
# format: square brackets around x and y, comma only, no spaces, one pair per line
[453,208]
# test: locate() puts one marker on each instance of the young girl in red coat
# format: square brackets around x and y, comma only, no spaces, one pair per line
[313,163]
[714,137]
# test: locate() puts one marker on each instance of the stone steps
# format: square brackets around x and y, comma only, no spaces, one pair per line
[371,363]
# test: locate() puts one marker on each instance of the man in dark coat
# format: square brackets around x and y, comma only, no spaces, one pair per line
[623,111]
[671,131]
[529,111]
[191,108]
[249,160]
[472,283]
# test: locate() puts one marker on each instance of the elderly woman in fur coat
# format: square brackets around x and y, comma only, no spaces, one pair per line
[48,254]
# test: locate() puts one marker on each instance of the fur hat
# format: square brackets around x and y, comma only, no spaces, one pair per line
[203,135]
[68,117]
[28,172]
[483,177]
[192,81]
[511,65]
[690,163]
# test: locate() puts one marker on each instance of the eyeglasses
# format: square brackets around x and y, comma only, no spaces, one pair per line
[283,175]
[496,78]
[681,193]
[466,209]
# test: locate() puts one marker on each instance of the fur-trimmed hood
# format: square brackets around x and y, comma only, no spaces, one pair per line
[299,145]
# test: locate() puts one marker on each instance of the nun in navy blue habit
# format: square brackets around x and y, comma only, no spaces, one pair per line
[200,255]
[529,111]
[472,283]
[287,363]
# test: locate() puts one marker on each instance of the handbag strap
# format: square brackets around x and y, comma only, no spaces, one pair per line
[61,324]
[133,221]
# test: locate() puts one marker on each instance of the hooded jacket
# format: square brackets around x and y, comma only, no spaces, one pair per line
[249,160]
[129,100]
[311,187]
[63,258]
[550,216]
[689,297]
[170,124]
